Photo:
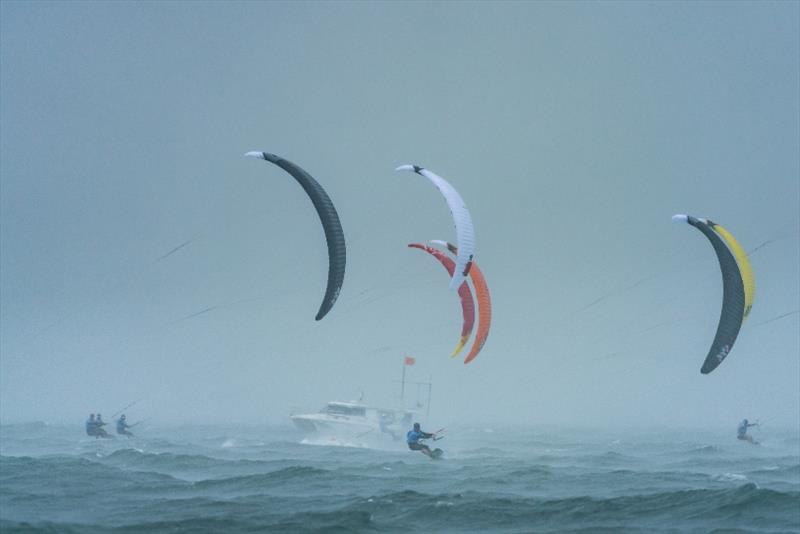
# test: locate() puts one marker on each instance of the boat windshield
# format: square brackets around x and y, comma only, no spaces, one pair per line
[345,409]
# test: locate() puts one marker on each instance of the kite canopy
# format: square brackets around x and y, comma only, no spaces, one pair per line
[464,292]
[484,304]
[737,290]
[744,265]
[330,224]
[465,232]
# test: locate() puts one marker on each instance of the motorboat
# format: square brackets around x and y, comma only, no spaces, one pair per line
[355,419]
[345,420]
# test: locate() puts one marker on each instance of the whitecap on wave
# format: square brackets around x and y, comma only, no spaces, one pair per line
[730,477]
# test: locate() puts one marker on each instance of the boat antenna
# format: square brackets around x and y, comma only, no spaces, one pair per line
[428,406]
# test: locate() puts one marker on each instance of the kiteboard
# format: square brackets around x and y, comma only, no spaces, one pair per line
[436,454]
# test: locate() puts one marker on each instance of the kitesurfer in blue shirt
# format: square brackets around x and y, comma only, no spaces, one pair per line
[413,438]
[741,432]
[91,426]
[123,426]
[99,430]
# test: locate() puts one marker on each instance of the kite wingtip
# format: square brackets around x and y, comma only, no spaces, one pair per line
[709,365]
[322,312]
[680,217]
[411,168]
[461,343]
[255,154]
[456,282]
[451,248]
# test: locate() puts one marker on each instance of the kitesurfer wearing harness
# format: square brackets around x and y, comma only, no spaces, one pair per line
[123,426]
[413,436]
[741,432]
[91,426]
[99,430]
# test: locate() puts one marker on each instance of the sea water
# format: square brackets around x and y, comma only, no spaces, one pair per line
[509,479]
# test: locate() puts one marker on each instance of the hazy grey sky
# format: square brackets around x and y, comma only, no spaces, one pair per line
[572,130]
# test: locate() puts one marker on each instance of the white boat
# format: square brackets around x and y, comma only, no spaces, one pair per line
[355,419]
[348,420]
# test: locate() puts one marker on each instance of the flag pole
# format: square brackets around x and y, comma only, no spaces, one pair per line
[428,407]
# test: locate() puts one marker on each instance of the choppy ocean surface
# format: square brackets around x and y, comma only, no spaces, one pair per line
[269,479]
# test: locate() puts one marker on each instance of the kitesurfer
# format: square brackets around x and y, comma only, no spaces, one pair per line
[91,426]
[741,432]
[413,438]
[99,430]
[123,426]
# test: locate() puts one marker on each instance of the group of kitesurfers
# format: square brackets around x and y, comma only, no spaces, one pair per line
[414,437]
[95,424]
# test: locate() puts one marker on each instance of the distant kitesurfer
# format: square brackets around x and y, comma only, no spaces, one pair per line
[99,430]
[741,432]
[123,426]
[91,426]
[414,436]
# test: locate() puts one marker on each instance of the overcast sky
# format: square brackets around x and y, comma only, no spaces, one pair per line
[572,130]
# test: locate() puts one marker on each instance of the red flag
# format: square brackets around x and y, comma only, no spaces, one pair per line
[409,360]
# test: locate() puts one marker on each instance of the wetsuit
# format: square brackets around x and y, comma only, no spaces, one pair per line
[741,432]
[122,428]
[413,437]
[99,431]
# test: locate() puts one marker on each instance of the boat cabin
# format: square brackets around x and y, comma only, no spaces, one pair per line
[345,408]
